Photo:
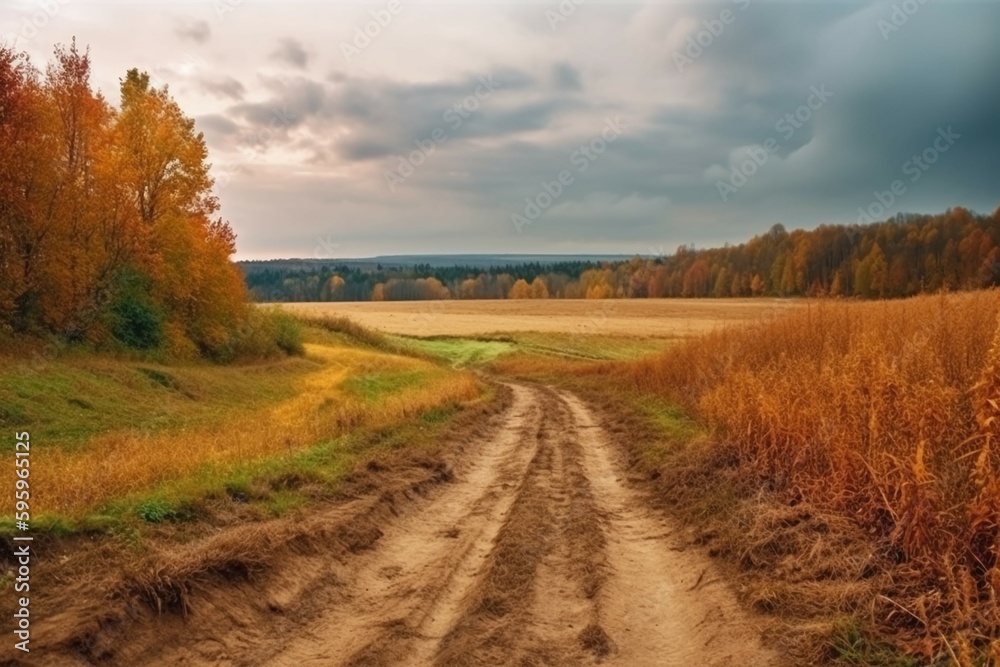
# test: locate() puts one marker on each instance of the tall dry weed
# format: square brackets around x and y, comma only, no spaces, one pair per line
[888,412]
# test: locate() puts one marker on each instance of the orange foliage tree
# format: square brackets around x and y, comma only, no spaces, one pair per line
[107,224]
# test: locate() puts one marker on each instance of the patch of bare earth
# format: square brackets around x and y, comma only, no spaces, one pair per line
[528,549]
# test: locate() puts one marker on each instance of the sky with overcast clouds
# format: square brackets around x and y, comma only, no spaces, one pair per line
[307,125]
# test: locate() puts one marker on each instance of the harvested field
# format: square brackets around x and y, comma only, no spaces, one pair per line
[664,318]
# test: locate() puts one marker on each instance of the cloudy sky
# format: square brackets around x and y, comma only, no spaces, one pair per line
[447,128]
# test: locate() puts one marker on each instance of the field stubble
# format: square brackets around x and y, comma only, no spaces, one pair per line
[661,318]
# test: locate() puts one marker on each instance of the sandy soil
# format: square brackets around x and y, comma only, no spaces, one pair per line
[532,550]
[638,317]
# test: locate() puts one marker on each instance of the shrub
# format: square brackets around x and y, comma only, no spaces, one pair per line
[287,332]
[261,334]
[134,318]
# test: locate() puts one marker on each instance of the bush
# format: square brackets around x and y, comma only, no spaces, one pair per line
[263,334]
[134,318]
[288,332]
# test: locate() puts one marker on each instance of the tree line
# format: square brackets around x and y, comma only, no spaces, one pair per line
[906,255]
[108,227]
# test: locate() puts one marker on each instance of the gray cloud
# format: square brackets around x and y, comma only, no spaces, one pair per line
[224,87]
[217,127]
[566,77]
[194,30]
[385,117]
[292,52]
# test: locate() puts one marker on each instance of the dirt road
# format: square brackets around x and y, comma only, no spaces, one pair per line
[535,553]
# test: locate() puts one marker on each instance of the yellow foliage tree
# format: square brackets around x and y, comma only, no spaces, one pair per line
[520,290]
[539,290]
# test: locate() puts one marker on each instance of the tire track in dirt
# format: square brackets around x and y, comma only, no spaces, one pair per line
[536,601]
[406,596]
[654,604]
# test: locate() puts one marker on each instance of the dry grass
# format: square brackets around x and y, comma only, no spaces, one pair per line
[887,413]
[665,318]
[116,464]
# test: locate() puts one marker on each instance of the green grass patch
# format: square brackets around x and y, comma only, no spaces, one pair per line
[589,347]
[668,419]
[438,415]
[282,502]
[460,352]
[852,646]
[375,386]
[481,350]
[157,509]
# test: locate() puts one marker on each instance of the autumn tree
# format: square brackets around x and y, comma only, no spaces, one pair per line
[837,286]
[539,290]
[468,289]
[696,279]
[722,284]
[28,165]
[107,220]
[520,290]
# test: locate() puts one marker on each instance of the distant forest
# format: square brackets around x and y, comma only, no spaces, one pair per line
[905,255]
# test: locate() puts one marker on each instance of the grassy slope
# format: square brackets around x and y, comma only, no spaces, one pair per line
[78,396]
[128,442]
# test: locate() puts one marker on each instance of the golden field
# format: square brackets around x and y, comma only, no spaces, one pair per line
[887,413]
[661,318]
